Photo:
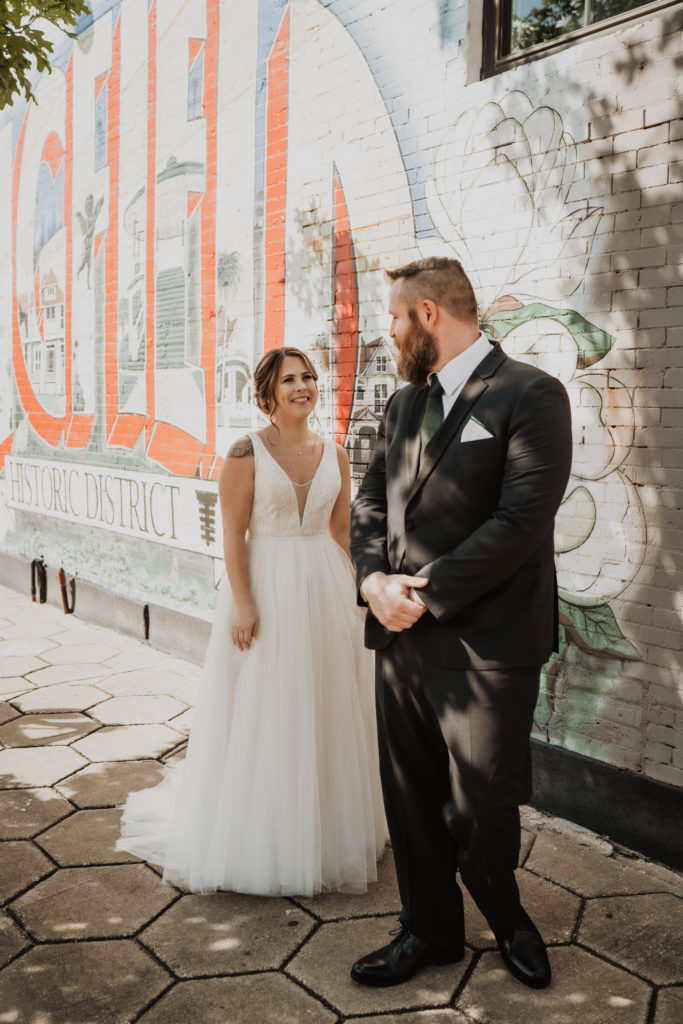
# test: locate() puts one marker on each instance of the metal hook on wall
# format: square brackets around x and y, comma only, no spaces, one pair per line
[61,579]
[39,580]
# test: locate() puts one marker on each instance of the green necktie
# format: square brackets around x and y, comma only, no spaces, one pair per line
[433,414]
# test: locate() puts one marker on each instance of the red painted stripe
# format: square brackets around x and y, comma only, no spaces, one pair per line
[345,313]
[126,430]
[6,448]
[53,150]
[150,228]
[193,201]
[79,431]
[277,124]
[194,46]
[174,449]
[208,230]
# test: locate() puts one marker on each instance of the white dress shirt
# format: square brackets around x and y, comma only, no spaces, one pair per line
[455,374]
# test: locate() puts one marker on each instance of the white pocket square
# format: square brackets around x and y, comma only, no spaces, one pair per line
[474,431]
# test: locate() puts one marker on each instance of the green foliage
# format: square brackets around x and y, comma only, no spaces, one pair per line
[592,342]
[24,46]
[595,629]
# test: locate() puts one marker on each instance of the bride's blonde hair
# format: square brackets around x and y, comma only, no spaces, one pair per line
[267,372]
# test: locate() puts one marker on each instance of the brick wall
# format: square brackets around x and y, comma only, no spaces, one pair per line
[200,181]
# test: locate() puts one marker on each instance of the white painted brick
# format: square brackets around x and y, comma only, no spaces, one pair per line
[664,773]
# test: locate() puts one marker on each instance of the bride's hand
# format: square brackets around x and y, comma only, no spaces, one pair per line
[244,625]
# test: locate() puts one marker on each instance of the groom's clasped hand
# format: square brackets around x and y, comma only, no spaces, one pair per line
[392,599]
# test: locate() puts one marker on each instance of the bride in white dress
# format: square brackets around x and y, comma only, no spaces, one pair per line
[279,793]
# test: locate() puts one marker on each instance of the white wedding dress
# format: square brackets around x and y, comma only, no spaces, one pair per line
[279,793]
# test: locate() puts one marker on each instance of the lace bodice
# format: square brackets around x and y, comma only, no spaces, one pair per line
[275,511]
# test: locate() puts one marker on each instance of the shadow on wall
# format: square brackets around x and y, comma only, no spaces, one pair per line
[623,709]
[585,222]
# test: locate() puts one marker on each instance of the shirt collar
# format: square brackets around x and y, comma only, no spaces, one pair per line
[462,366]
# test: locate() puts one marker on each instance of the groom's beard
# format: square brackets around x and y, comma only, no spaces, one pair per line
[418,353]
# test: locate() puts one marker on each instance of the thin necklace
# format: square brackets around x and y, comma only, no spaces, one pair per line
[299,451]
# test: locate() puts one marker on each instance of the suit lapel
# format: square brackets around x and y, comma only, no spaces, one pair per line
[412,442]
[475,386]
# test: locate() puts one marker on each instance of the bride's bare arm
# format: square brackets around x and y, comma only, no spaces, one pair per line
[236,491]
[341,513]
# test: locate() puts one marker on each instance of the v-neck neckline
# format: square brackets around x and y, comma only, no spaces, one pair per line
[300,516]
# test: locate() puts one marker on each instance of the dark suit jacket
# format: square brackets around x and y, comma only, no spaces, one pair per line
[474,517]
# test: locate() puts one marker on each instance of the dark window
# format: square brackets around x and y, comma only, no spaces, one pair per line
[519,30]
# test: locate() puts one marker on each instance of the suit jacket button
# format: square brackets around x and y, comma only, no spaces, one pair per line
[410,525]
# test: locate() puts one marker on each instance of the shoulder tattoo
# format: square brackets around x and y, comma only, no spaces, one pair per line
[241,448]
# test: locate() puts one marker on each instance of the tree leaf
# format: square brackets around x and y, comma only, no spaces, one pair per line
[25,48]
[594,628]
[592,342]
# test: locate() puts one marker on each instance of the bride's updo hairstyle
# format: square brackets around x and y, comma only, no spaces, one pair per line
[267,372]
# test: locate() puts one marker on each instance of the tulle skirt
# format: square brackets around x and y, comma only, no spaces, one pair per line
[279,793]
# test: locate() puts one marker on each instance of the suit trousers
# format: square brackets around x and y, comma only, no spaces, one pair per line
[455,764]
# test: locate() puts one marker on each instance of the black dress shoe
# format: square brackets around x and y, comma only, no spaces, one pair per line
[401,959]
[525,956]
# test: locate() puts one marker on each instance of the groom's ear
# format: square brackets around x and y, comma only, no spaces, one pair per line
[428,312]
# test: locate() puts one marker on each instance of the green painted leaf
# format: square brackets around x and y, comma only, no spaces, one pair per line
[594,628]
[592,342]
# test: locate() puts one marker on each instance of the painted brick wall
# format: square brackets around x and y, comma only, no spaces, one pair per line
[203,180]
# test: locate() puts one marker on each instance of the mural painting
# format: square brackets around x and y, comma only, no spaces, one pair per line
[183,200]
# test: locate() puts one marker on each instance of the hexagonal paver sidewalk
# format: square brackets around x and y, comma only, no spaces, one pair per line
[88,933]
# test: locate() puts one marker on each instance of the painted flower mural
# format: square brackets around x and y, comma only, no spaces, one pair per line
[518,162]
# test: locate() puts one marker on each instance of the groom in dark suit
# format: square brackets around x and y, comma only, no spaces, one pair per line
[452,537]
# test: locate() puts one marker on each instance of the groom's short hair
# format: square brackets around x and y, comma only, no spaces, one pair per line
[440,279]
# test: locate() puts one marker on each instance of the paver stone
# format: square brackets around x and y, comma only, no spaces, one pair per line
[7,713]
[26,812]
[12,686]
[226,933]
[324,962]
[94,902]
[21,864]
[12,939]
[553,910]
[642,933]
[81,983]
[182,722]
[32,646]
[70,673]
[60,697]
[254,999]
[28,767]
[381,898]
[87,837]
[416,1017]
[584,989]
[128,742]
[26,646]
[46,730]
[19,665]
[669,1006]
[147,681]
[108,783]
[573,863]
[142,710]
[73,654]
